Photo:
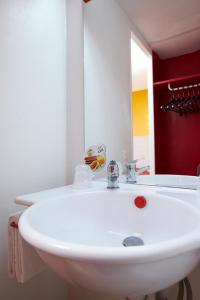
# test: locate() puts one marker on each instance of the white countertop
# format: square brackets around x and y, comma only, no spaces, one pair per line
[30,199]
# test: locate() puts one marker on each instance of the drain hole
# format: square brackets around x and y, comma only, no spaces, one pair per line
[132,241]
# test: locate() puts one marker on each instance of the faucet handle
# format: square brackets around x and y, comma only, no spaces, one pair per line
[132,162]
[135,161]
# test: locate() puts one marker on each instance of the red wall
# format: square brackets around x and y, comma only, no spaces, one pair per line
[177,138]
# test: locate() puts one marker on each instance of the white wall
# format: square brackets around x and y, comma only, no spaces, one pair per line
[75,87]
[139,66]
[141,150]
[107,59]
[32,119]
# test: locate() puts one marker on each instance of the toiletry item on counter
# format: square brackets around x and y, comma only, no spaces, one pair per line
[83,177]
[23,261]
[95,157]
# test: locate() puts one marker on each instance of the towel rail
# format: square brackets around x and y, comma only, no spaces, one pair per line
[185,87]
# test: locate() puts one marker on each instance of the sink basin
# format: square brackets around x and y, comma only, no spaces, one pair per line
[80,237]
[178,181]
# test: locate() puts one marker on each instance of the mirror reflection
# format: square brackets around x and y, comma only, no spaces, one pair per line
[142,84]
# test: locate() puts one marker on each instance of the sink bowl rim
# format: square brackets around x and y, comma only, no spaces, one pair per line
[151,252]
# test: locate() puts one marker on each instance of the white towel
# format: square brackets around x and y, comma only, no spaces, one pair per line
[23,261]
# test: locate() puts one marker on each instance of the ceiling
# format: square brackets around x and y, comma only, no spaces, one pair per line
[171,27]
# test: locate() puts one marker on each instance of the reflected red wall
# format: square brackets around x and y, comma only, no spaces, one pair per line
[177,139]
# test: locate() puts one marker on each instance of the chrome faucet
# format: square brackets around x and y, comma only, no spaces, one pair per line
[131,175]
[198,170]
[113,175]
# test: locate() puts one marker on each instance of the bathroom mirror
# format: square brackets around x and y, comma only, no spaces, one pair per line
[133,50]
[107,80]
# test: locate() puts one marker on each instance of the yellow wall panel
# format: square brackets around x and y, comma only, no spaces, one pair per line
[140,113]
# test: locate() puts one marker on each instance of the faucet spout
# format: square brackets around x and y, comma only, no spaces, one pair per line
[132,172]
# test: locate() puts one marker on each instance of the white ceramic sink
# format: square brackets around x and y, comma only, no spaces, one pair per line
[179,181]
[80,237]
